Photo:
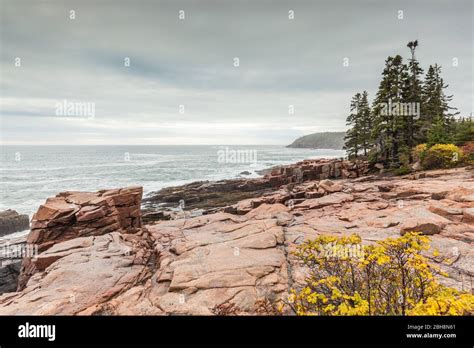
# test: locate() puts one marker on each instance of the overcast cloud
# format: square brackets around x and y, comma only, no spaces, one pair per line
[190,62]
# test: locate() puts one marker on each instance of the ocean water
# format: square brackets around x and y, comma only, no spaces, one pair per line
[30,174]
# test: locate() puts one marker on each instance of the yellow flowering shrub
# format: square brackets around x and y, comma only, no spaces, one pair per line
[390,277]
[442,156]
[419,151]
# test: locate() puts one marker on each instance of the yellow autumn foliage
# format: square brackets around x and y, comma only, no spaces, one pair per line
[442,156]
[419,151]
[390,277]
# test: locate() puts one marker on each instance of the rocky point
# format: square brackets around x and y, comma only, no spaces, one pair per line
[96,257]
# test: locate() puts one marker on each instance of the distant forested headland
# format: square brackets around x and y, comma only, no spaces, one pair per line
[325,140]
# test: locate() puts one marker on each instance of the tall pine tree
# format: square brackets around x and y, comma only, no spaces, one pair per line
[365,123]
[388,123]
[435,107]
[413,95]
[358,137]
[352,138]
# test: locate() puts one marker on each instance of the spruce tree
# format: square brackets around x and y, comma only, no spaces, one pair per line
[435,107]
[463,130]
[388,123]
[365,123]
[413,94]
[352,138]
[437,134]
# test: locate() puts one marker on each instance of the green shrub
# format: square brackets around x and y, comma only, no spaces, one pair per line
[418,152]
[403,170]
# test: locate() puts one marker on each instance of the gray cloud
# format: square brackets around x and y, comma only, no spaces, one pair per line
[190,63]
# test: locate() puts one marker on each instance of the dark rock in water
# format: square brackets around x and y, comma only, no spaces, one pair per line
[200,197]
[11,221]
[245,172]
[12,251]
[9,277]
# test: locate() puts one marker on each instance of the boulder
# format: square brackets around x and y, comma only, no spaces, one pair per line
[315,194]
[424,221]
[416,166]
[385,187]
[439,195]
[446,209]
[330,186]
[9,276]
[12,251]
[71,214]
[77,214]
[379,166]
[468,215]
[11,221]
[345,173]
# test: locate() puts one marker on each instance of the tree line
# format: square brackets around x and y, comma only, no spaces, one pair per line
[408,109]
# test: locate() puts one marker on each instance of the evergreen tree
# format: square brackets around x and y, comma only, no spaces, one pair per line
[388,123]
[413,94]
[463,130]
[390,130]
[365,123]
[437,134]
[352,138]
[435,107]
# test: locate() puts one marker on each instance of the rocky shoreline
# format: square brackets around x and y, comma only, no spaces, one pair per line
[204,197]
[230,243]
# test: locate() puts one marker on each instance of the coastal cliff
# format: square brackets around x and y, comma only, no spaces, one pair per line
[240,254]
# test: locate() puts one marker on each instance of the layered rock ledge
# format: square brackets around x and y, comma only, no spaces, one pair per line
[240,254]
[71,215]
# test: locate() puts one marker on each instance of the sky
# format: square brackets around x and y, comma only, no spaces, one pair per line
[299,64]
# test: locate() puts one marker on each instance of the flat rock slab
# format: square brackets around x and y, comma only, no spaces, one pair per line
[85,272]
